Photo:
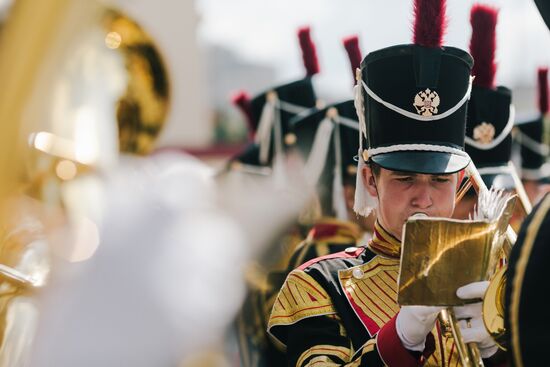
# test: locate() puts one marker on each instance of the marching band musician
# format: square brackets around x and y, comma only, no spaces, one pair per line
[268,117]
[334,171]
[334,231]
[268,114]
[341,310]
[328,139]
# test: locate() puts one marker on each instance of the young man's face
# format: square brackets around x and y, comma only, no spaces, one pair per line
[402,194]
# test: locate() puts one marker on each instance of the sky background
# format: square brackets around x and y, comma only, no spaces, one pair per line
[264,32]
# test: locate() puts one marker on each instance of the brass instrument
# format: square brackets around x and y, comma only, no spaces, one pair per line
[142,109]
[493,308]
[485,241]
[81,83]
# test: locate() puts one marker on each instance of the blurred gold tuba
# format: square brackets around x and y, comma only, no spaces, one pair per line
[81,83]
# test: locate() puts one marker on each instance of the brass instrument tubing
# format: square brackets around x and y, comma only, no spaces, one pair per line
[463,190]
[469,353]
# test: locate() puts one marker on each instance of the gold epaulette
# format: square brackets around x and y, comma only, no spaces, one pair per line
[300,297]
[371,290]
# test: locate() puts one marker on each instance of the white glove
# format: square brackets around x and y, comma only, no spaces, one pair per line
[414,323]
[471,320]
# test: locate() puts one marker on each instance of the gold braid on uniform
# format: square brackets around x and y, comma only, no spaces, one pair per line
[322,355]
[383,243]
[299,298]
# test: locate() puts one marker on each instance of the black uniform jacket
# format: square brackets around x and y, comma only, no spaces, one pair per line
[340,309]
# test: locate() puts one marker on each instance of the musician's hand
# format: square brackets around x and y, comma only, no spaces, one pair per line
[414,323]
[471,320]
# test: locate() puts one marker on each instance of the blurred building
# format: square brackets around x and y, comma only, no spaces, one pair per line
[227,73]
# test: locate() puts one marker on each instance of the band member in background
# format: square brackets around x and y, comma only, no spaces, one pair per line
[327,140]
[268,118]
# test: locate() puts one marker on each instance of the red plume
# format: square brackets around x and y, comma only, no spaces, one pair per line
[351,44]
[309,54]
[483,44]
[543,90]
[429,22]
[241,99]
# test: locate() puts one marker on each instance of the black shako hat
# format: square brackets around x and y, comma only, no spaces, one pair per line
[530,136]
[343,116]
[490,111]
[249,156]
[488,135]
[413,100]
[272,109]
[326,139]
[268,114]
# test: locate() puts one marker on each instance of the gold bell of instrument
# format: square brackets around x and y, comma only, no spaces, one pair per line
[142,109]
[81,84]
[493,308]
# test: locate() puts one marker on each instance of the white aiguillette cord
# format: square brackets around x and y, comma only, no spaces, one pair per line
[318,156]
[363,202]
[532,144]
[270,119]
[267,119]
[338,196]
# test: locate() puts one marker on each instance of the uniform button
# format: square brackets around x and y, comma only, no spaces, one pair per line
[290,139]
[357,273]
[350,250]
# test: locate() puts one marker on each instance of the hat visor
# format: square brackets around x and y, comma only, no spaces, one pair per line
[422,162]
[500,181]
